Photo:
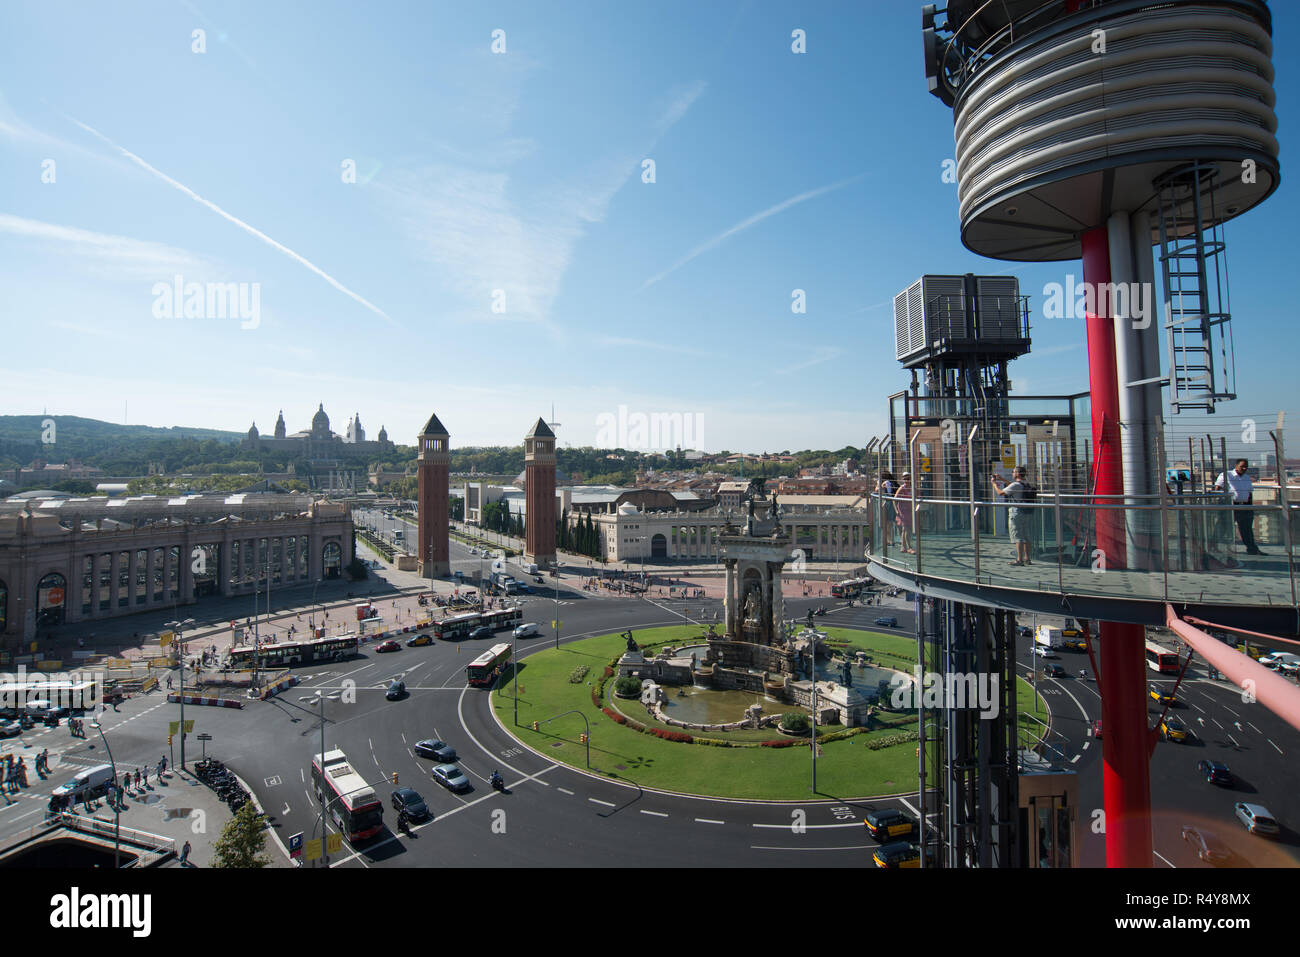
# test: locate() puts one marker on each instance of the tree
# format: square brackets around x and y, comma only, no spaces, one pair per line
[242,840]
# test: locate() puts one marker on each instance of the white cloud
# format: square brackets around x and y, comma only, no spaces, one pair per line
[111,256]
[749,223]
[238,222]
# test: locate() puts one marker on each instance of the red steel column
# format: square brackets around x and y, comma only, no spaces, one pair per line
[1126,772]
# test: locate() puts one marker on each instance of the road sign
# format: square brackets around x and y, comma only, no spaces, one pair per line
[1009,456]
[925,463]
[311,850]
[295,844]
[173,727]
[166,638]
[189,726]
[205,736]
[333,843]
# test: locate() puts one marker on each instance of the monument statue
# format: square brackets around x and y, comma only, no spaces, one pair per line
[751,607]
[775,512]
[631,644]
[749,522]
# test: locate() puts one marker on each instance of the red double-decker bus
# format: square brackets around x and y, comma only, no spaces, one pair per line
[483,670]
[352,804]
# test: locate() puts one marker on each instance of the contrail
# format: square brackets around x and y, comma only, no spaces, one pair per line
[238,222]
[746,224]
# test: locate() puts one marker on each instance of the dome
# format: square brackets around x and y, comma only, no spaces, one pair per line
[320,422]
[627,508]
[252,433]
[383,434]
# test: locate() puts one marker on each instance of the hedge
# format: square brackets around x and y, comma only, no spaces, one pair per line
[892,740]
[672,735]
[783,743]
[618,718]
[578,673]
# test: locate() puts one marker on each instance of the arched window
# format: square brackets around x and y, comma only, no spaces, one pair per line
[51,593]
[332,560]
[658,546]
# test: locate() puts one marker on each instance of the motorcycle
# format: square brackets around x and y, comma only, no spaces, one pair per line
[819,611]
[498,783]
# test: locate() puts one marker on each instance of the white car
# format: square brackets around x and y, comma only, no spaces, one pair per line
[1044,652]
[1279,658]
[528,630]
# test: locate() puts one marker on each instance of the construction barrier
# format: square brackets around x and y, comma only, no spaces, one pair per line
[272,690]
[174,698]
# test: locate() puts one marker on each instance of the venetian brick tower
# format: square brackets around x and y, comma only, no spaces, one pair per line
[433,549]
[539,494]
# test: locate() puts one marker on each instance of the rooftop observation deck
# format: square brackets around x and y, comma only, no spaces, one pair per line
[1182,550]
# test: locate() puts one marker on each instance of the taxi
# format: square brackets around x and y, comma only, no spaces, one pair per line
[896,855]
[1173,729]
[1161,696]
[419,640]
[889,823]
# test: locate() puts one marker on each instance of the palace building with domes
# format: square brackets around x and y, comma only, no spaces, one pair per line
[320,442]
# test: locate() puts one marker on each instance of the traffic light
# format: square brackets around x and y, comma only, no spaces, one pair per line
[582,738]
[535,726]
[169,740]
[394,777]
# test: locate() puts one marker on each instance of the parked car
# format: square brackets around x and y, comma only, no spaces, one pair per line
[389,645]
[897,854]
[1207,845]
[418,640]
[888,622]
[1214,772]
[409,799]
[889,823]
[451,777]
[438,750]
[1256,818]
[396,689]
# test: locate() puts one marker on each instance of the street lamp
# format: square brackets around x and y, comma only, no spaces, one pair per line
[117,803]
[319,698]
[178,627]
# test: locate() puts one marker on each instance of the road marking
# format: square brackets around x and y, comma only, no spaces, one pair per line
[1075,759]
[851,847]
[1163,858]
[565,790]
[1226,708]
[1087,745]
[1216,721]
[303,775]
[705,820]
[907,804]
[791,826]
[1234,742]
[1252,724]
[1270,741]
[654,813]
[606,803]
[1197,707]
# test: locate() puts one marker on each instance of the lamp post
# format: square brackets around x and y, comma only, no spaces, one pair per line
[117,802]
[179,627]
[319,698]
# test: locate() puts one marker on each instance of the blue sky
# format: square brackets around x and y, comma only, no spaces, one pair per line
[519,172]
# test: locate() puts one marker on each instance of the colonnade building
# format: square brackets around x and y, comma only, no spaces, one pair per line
[65,560]
[822,530]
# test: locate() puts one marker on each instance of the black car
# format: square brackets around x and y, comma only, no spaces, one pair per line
[1053,671]
[410,800]
[482,631]
[1215,772]
[438,750]
[396,690]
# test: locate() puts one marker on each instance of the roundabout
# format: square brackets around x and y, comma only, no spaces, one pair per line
[561,695]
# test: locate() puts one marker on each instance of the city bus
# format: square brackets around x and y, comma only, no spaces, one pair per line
[456,626]
[502,618]
[352,804]
[849,588]
[306,652]
[1161,659]
[483,670]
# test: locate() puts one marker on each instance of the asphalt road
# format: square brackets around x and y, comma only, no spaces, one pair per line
[552,815]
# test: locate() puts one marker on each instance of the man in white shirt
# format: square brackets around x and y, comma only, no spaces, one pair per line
[1241,485]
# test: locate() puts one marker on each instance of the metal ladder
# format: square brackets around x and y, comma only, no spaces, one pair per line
[1195,273]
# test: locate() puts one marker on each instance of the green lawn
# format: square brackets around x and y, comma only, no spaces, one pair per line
[846,768]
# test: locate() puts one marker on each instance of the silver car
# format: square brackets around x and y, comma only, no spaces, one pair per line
[1256,818]
[451,777]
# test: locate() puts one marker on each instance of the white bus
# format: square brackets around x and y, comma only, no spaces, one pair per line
[352,803]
